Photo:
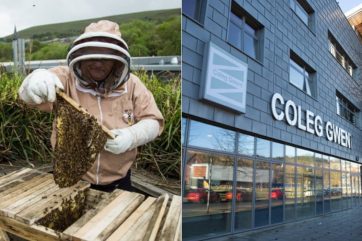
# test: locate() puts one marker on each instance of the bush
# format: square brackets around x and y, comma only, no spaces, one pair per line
[24,132]
[164,154]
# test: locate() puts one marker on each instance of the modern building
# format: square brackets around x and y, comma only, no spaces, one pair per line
[271,128]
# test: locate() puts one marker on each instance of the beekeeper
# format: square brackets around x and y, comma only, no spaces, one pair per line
[98,78]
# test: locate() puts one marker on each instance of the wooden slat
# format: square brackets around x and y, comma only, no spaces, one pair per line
[71,230]
[30,200]
[22,175]
[155,221]
[110,217]
[4,236]
[45,206]
[135,226]
[22,189]
[171,226]
[148,188]
[30,232]
[93,197]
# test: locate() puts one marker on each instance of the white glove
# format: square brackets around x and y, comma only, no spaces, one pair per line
[133,136]
[39,87]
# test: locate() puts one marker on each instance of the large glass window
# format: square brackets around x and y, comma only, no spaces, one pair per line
[262,147]
[290,154]
[326,185]
[183,129]
[301,78]
[262,193]
[319,190]
[336,189]
[246,145]
[289,182]
[194,9]
[207,203]
[305,192]
[243,31]
[346,109]
[244,194]
[277,192]
[211,137]
[305,157]
[277,151]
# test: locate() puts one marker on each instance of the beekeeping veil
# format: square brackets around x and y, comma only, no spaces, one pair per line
[101,41]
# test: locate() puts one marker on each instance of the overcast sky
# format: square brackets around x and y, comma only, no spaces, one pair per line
[28,13]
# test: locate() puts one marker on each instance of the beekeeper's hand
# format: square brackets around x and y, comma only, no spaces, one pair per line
[131,137]
[39,87]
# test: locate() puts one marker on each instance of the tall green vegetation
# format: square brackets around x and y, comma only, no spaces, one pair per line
[24,132]
[163,155]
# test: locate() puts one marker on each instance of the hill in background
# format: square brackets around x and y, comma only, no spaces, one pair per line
[152,33]
[74,28]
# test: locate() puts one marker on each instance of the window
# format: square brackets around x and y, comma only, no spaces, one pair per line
[346,109]
[195,9]
[303,10]
[301,76]
[340,55]
[244,31]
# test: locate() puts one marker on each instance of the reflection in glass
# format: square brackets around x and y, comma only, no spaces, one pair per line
[277,193]
[212,137]
[206,207]
[244,194]
[326,185]
[290,154]
[318,160]
[262,147]
[183,129]
[261,194]
[336,190]
[289,181]
[319,190]
[335,163]
[277,151]
[305,192]
[246,145]
[305,157]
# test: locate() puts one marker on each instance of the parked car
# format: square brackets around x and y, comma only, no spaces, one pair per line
[229,196]
[277,194]
[200,195]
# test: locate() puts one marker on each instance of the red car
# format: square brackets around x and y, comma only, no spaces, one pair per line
[229,196]
[276,194]
[200,195]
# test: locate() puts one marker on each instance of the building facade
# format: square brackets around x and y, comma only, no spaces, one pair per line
[271,100]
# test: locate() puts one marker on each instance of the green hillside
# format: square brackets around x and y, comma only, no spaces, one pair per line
[74,28]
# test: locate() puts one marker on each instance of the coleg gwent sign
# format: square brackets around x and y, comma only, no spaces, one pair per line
[224,79]
[294,116]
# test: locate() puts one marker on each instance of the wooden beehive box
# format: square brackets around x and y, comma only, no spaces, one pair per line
[29,198]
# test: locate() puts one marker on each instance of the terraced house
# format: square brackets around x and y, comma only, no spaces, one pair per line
[271,113]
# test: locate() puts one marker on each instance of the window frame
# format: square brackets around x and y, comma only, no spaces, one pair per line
[200,9]
[248,20]
[346,109]
[340,55]
[304,70]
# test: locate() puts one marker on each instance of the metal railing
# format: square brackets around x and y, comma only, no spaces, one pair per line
[152,63]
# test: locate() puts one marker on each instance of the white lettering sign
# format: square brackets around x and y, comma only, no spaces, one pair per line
[294,116]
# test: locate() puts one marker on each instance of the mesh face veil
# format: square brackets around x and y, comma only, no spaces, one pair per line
[100,46]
